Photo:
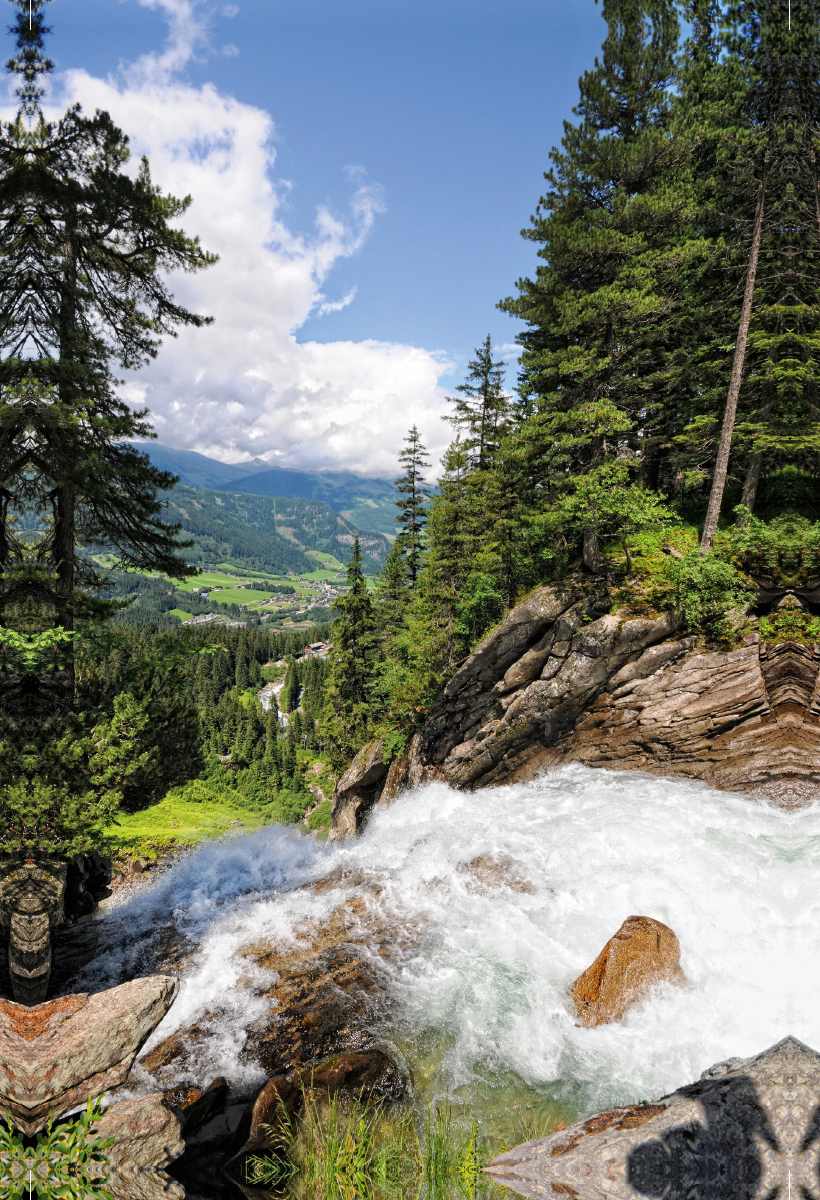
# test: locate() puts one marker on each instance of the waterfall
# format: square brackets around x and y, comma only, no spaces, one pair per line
[497,900]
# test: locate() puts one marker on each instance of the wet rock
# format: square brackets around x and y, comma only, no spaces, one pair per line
[356,1074]
[357,791]
[329,994]
[195,1107]
[147,1137]
[642,954]
[494,873]
[267,1117]
[266,1123]
[747,1130]
[54,1056]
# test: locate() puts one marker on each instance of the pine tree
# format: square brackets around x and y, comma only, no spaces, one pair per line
[413,497]
[290,691]
[346,720]
[392,593]
[481,408]
[612,235]
[82,289]
[85,247]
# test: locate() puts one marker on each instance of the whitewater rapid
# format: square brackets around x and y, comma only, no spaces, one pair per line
[486,986]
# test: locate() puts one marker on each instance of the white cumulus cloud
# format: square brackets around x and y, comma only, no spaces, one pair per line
[244,387]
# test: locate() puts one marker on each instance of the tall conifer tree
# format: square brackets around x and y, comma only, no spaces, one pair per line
[412,503]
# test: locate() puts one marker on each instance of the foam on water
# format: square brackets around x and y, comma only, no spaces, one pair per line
[488,983]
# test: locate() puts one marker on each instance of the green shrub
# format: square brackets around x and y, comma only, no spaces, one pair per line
[702,588]
[319,819]
[66,1163]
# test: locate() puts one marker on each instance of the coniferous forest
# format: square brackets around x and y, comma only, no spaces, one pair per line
[654,453]
[662,435]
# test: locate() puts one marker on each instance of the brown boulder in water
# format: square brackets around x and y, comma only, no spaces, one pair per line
[641,954]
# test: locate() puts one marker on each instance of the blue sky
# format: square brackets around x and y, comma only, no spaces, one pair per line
[422,128]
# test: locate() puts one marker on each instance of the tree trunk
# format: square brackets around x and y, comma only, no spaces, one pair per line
[749,495]
[593,562]
[64,505]
[722,463]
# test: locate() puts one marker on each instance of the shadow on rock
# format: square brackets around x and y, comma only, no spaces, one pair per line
[721,1159]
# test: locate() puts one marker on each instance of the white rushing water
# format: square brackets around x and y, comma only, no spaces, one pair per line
[737,880]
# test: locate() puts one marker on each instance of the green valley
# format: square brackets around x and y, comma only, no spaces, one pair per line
[268,534]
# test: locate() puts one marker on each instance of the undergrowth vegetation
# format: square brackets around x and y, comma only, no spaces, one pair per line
[372,1151]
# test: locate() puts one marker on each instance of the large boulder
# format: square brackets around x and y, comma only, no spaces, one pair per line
[524,687]
[746,1130]
[55,1056]
[642,954]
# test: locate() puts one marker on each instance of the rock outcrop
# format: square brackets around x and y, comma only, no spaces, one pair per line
[356,791]
[748,1130]
[54,1056]
[562,679]
[642,954]
[327,992]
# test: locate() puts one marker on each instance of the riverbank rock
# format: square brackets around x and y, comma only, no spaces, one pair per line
[147,1137]
[642,954]
[356,791]
[368,1074]
[54,1056]
[747,1130]
[328,994]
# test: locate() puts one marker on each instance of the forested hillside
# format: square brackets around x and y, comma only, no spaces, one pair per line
[661,442]
[266,534]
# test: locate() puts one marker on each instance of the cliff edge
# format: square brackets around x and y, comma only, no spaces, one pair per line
[562,679]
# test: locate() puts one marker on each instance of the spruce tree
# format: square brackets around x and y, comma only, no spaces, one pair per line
[347,719]
[412,503]
[481,407]
[392,593]
[610,233]
[85,245]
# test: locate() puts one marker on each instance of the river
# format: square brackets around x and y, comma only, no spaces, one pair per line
[497,900]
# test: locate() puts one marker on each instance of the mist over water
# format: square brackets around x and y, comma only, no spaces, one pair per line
[489,952]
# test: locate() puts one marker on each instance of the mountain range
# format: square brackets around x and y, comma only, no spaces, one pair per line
[369,504]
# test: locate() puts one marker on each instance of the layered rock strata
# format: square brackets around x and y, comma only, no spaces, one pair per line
[563,679]
[748,1130]
[54,1056]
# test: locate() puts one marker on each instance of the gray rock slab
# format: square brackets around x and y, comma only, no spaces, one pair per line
[747,1130]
